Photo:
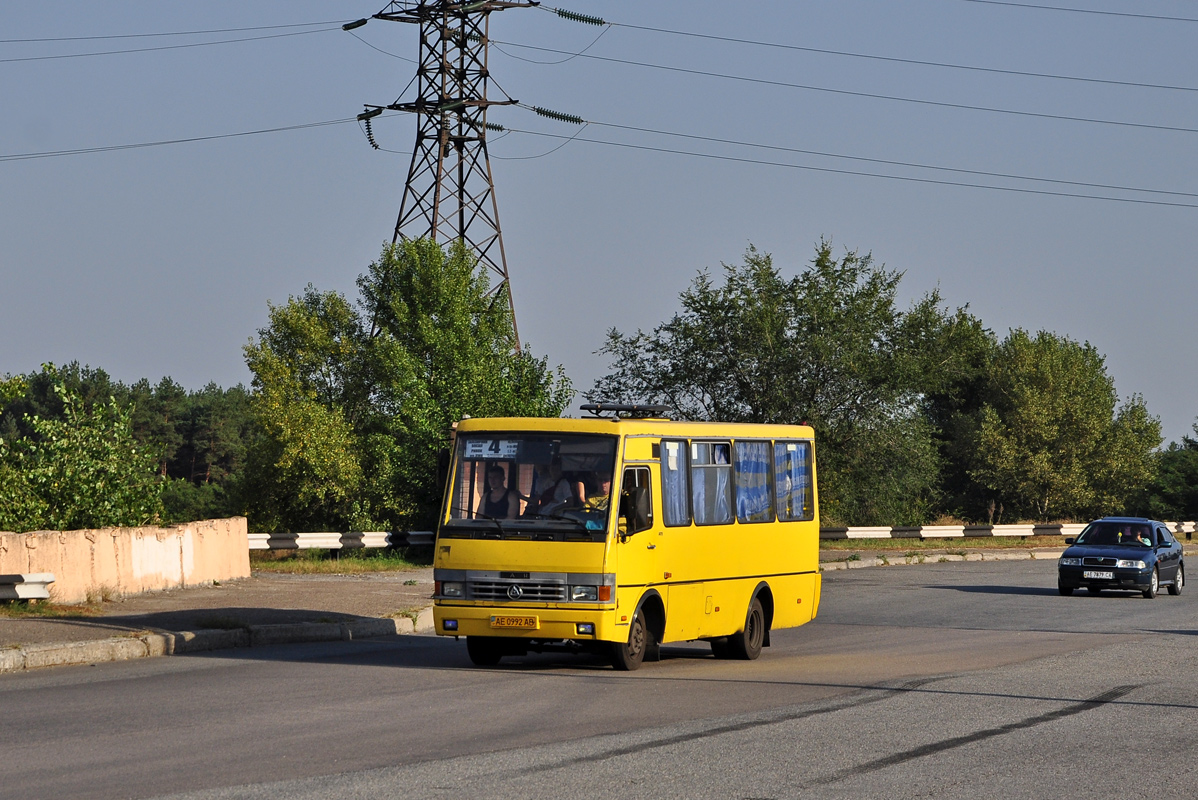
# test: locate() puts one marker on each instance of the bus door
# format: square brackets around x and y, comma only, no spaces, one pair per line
[640,536]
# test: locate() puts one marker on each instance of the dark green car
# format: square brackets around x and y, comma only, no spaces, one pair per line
[1122,554]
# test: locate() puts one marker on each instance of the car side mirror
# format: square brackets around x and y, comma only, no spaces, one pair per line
[1069,540]
[634,508]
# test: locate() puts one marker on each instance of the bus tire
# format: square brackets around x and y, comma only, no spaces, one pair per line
[484,651]
[627,656]
[746,645]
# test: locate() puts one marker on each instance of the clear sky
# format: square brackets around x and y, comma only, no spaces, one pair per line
[161,260]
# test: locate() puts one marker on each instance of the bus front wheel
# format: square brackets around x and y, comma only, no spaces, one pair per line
[627,656]
[747,644]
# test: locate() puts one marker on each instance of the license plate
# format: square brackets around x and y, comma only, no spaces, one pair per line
[524,623]
[1098,576]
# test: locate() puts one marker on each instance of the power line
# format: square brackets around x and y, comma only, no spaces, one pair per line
[914,61]
[164,47]
[172,33]
[138,145]
[888,162]
[870,95]
[833,170]
[1082,10]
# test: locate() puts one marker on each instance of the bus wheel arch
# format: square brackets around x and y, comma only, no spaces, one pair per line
[654,612]
[746,644]
[765,595]
[645,631]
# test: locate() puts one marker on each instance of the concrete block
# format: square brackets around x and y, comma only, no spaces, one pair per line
[93,652]
[203,640]
[364,629]
[424,620]
[292,633]
[12,659]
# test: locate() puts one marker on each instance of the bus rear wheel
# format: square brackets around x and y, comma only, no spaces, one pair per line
[484,651]
[627,656]
[746,645]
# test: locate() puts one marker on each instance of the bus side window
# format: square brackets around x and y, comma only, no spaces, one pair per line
[675,486]
[711,482]
[792,481]
[637,499]
[754,498]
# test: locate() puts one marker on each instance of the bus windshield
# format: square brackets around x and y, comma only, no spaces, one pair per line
[550,481]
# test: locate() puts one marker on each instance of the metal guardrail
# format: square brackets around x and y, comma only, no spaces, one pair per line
[27,586]
[1181,529]
[332,540]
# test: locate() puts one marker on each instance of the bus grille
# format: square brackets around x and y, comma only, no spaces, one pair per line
[532,592]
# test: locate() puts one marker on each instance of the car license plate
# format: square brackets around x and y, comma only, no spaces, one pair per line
[524,623]
[1098,576]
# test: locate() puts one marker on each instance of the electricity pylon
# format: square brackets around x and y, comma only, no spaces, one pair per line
[450,192]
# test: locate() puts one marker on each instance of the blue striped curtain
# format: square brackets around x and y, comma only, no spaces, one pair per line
[752,463]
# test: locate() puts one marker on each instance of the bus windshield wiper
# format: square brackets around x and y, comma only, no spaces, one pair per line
[481,515]
[557,518]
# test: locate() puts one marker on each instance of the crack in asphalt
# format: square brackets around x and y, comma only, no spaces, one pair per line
[978,736]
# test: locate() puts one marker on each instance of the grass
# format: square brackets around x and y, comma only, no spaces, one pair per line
[337,562]
[25,609]
[956,546]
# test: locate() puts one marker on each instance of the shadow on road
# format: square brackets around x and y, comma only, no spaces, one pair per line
[1024,590]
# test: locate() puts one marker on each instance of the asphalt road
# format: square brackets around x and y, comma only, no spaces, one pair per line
[955,680]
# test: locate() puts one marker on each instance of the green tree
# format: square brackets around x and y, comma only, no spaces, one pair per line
[354,401]
[1049,439]
[1173,493]
[84,470]
[828,346]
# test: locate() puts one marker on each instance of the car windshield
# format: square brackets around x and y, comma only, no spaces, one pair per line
[529,481]
[1123,534]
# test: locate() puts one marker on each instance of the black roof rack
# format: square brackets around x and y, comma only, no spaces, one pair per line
[627,410]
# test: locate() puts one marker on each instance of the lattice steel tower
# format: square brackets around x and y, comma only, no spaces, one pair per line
[450,192]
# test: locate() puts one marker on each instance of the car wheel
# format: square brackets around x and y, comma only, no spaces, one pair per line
[1065,590]
[1179,581]
[483,651]
[746,645]
[627,656]
[1154,583]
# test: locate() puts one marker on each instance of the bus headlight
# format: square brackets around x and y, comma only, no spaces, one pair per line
[453,589]
[584,593]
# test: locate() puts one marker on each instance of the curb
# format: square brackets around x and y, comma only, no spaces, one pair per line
[165,643]
[940,558]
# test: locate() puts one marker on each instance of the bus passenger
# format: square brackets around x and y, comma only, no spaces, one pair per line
[599,499]
[499,502]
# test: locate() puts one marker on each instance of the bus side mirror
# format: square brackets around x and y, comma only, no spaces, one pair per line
[442,469]
[634,508]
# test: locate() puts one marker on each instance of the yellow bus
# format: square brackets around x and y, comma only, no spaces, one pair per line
[623,531]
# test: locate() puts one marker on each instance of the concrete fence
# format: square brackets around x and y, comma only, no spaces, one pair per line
[123,561]
[1183,530]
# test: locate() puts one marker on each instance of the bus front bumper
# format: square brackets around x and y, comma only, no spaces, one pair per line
[589,624]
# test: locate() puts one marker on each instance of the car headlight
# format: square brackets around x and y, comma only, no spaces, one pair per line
[1070,562]
[1127,563]
[453,589]
[584,593]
